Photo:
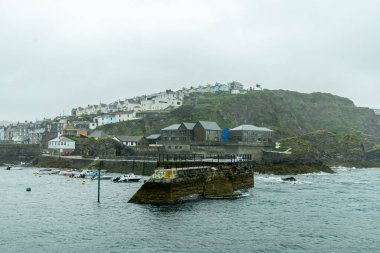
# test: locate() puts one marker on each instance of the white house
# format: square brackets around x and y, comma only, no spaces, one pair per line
[2,134]
[130,105]
[36,135]
[161,101]
[125,116]
[104,120]
[61,145]
[219,87]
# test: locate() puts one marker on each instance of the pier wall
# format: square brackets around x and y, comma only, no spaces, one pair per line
[145,168]
[206,182]
[10,153]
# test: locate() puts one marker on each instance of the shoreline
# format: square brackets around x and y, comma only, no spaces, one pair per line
[147,168]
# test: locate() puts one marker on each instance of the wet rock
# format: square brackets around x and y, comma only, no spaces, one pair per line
[292,179]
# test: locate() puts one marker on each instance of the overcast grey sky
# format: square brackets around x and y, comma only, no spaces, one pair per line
[56,55]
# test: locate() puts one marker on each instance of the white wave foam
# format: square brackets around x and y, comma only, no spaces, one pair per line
[269,178]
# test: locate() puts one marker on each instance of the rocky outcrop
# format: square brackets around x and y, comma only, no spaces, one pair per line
[373,157]
[291,168]
[331,149]
[290,179]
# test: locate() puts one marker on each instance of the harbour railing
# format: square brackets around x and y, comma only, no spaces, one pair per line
[201,160]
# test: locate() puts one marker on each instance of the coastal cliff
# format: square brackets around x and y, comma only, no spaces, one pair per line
[288,113]
[323,148]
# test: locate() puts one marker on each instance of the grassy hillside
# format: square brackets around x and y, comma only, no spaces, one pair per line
[331,148]
[288,113]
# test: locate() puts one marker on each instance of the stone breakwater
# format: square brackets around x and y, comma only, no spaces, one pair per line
[10,153]
[145,168]
[168,186]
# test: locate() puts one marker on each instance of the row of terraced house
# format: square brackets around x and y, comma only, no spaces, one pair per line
[131,109]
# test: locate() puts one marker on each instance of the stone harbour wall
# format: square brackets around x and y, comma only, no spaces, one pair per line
[207,183]
[15,153]
[145,168]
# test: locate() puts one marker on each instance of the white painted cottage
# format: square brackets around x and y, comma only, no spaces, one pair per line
[61,145]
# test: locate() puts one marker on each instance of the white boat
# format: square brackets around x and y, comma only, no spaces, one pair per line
[69,173]
[90,173]
[46,171]
[14,168]
[104,177]
[127,178]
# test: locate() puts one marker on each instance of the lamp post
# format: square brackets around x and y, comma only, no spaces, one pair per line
[99,184]
[99,165]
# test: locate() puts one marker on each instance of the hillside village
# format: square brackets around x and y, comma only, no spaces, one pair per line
[206,119]
[40,132]
[130,109]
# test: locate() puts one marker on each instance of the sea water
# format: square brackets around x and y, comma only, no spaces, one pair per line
[318,213]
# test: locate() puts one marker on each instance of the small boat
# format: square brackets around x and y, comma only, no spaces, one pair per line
[13,168]
[104,177]
[46,171]
[89,173]
[130,177]
[69,173]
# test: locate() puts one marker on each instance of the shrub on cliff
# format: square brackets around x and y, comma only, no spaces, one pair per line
[331,148]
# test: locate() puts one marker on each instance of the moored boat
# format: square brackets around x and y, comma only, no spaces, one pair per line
[104,177]
[46,171]
[130,177]
[69,173]
[90,173]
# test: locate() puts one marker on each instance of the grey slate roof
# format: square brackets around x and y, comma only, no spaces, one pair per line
[171,127]
[251,128]
[189,126]
[209,125]
[153,136]
[66,139]
[125,138]
[62,138]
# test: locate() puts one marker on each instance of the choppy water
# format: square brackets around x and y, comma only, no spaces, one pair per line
[319,213]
